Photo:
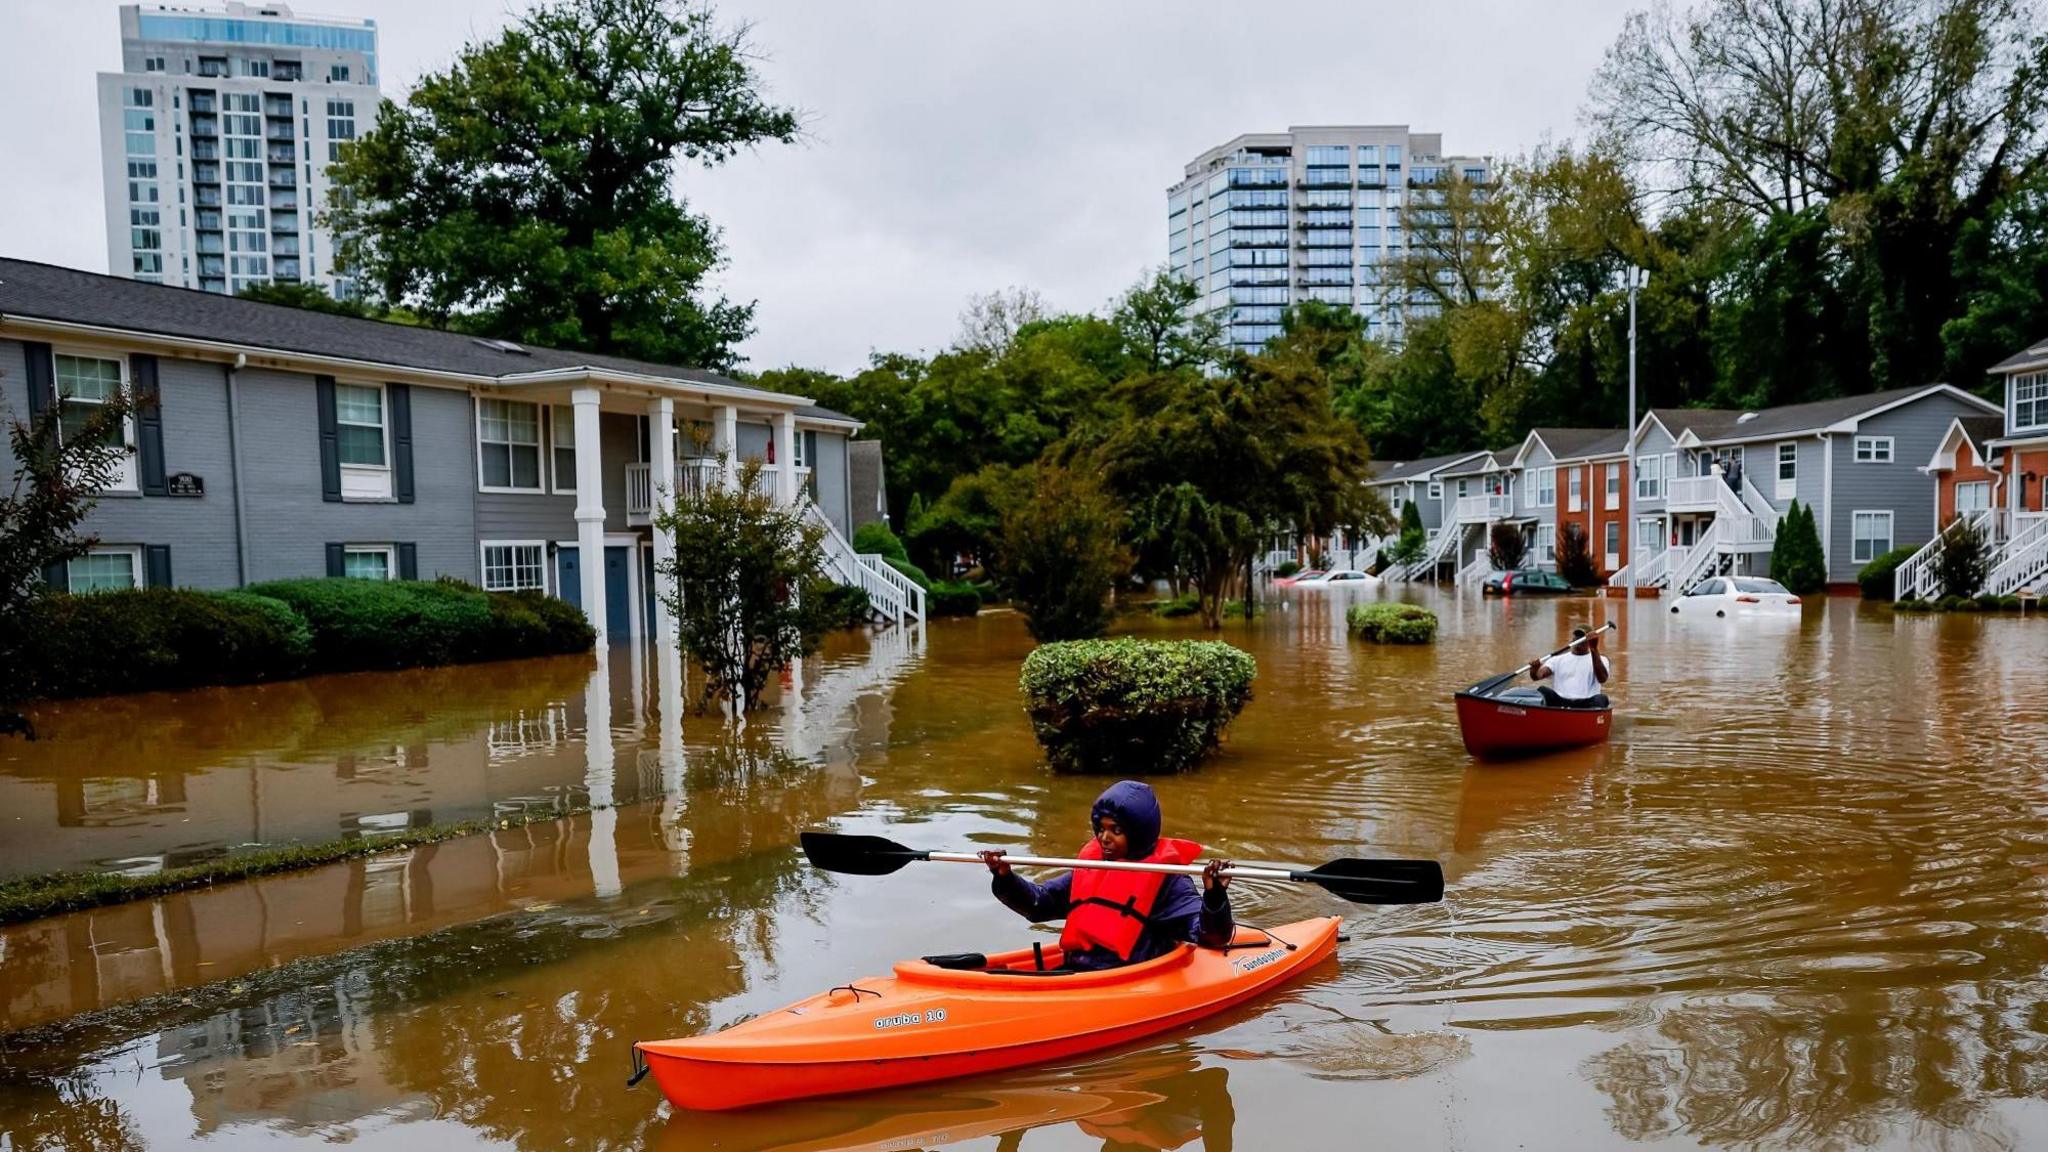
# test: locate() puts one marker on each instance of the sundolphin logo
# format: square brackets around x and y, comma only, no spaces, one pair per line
[1252,964]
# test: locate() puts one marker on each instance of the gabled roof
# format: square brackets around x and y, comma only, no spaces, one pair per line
[1567,443]
[2032,356]
[1479,463]
[1395,471]
[1978,430]
[33,291]
[1724,425]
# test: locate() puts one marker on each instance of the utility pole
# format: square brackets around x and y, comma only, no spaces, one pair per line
[1637,278]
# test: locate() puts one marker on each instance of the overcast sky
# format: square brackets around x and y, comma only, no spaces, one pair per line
[953,146]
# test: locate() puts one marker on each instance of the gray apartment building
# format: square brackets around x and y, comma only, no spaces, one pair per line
[1313,213]
[275,442]
[215,138]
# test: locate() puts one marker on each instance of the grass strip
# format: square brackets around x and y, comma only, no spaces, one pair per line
[53,893]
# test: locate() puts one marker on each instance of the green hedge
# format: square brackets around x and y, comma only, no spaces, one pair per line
[1133,706]
[1177,607]
[1878,579]
[1985,603]
[877,537]
[150,639]
[952,598]
[365,624]
[1392,623]
[1287,568]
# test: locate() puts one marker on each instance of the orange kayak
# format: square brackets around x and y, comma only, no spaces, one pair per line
[928,1022]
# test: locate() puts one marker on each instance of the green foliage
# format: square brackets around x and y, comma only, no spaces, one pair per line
[1390,623]
[917,575]
[314,298]
[1878,578]
[967,519]
[1408,547]
[738,563]
[532,623]
[877,537]
[952,598]
[157,639]
[526,191]
[1134,706]
[1964,562]
[1505,547]
[1575,557]
[1177,607]
[1286,569]
[842,605]
[1911,605]
[1061,554]
[370,624]
[1796,558]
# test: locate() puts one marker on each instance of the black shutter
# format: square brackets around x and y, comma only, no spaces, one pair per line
[336,564]
[149,424]
[42,378]
[156,565]
[401,440]
[57,576]
[330,443]
[408,562]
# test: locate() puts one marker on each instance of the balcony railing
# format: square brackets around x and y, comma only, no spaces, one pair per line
[1694,493]
[1484,508]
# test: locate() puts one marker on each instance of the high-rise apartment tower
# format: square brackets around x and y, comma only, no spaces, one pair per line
[215,139]
[1272,219]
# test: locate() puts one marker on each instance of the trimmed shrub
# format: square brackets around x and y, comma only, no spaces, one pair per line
[153,639]
[843,606]
[1134,706]
[2009,603]
[915,573]
[360,624]
[1392,623]
[877,537]
[1877,578]
[1911,605]
[1796,558]
[1179,606]
[1989,603]
[1286,569]
[952,598]
[533,623]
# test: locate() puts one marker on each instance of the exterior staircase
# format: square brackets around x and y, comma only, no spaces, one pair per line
[894,596]
[1441,546]
[1475,572]
[2022,564]
[1919,578]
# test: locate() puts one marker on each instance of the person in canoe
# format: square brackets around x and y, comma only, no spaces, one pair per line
[1118,918]
[1577,674]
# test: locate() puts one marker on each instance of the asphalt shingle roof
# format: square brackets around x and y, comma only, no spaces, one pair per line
[1727,424]
[48,292]
[1982,428]
[2034,353]
[1389,471]
[1575,443]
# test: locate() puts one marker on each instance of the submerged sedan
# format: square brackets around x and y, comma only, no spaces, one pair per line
[1340,578]
[1737,596]
[1524,581]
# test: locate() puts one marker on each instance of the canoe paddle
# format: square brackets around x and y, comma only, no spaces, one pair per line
[1486,687]
[1356,880]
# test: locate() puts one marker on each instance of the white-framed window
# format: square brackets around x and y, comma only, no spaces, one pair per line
[85,384]
[1613,543]
[104,569]
[514,565]
[2030,401]
[1973,496]
[1613,486]
[1788,470]
[1464,489]
[1650,478]
[508,445]
[1873,449]
[1546,543]
[1872,536]
[363,439]
[369,561]
[1546,488]
[562,447]
[1436,489]
[1574,490]
[1394,502]
[1649,536]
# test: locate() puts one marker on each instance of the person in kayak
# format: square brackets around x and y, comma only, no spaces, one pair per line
[1117,918]
[1578,674]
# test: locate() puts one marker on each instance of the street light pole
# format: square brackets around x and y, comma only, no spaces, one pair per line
[1637,278]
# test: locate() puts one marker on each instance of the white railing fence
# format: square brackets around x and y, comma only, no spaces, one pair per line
[1699,560]
[639,490]
[2023,561]
[1919,578]
[892,594]
[1475,571]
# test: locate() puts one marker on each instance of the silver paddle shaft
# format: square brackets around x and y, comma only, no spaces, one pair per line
[1235,870]
[1607,627]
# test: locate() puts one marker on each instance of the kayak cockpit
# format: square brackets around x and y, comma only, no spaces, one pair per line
[1003,969]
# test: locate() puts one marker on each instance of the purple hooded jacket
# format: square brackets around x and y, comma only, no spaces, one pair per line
[1182,912]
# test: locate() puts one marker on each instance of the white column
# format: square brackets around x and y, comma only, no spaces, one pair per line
[785,459]
[590,508]
[725,439]
[600,777]
[661,417]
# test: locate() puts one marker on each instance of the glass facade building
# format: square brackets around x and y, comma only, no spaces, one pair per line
[216,136]
[1270,220]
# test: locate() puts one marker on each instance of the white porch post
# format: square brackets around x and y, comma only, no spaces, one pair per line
[661,416]
[785,459]
[590,508]
[725,439]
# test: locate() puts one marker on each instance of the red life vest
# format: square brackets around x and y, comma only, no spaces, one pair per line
[1107,909]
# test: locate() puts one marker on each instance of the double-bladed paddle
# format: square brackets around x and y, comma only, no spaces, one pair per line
[1356,880]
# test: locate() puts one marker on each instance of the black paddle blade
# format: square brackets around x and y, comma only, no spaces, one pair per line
[1380,881]
[856,855]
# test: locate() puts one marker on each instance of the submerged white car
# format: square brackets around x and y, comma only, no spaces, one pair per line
[1341,578]
[1737,596]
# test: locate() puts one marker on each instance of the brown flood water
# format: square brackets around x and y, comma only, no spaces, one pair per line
[1801,901]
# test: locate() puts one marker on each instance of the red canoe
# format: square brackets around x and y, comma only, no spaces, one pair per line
[1517,722]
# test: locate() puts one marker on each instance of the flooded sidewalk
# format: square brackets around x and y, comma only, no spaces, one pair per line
[1801,900]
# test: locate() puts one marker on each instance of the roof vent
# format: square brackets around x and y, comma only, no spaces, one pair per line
[1745,418]
[500,345]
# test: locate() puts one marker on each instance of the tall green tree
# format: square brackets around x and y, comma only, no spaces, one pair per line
[1062,554]
[527,192]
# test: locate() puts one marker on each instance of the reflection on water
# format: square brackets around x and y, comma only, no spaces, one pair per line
[1801,900]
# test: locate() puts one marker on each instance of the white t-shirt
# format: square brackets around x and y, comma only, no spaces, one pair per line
[1572,675]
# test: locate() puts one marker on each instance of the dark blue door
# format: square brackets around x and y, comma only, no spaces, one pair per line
[618,606]
[569,576]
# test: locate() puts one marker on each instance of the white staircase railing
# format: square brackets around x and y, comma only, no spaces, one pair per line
[1919,578]
[1475,571]
[891,593]
[1744,532]
[1649,570]
[1759,504]
[1441,544]
[1699,560]
[2023,562]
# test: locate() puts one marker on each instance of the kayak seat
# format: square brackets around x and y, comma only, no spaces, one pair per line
[958,961]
